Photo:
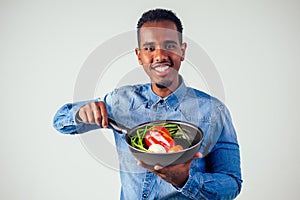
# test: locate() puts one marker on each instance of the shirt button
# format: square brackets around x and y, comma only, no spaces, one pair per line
[145,195]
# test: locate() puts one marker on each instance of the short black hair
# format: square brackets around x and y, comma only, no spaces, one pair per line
[160,14]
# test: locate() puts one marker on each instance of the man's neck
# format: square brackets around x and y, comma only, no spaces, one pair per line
[165,91]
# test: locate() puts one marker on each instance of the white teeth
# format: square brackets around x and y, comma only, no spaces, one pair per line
[162,69]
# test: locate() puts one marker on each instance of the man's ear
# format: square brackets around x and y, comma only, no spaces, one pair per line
[138,55]
[183,48]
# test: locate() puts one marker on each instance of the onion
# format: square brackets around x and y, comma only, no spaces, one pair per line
[157,148]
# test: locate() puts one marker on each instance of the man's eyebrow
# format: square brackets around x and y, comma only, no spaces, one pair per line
[165,42]
[148,44]
[170,42]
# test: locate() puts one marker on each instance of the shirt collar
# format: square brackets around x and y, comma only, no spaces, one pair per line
[173,100]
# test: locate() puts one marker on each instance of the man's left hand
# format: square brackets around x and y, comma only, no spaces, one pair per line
[177,175]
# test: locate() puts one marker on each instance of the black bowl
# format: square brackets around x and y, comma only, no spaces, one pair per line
[194,133]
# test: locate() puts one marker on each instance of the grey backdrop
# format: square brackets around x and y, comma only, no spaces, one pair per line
[255,46]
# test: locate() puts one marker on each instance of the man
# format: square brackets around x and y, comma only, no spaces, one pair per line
[214,172]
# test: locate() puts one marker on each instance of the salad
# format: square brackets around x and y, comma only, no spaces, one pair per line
[161,138]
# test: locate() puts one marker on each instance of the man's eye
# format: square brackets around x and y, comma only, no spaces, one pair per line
[170,46]
[150,48]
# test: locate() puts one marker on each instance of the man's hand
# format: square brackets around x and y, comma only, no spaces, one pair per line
[177,175]
[94,113]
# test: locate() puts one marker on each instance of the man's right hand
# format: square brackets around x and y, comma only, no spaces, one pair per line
[94,113]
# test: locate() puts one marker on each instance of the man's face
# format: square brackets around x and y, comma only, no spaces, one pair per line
[160,53]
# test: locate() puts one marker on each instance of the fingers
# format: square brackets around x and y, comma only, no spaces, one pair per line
[141,164]
[103,112]
[82,115]
[198,155]
[94,113]
[175,174]
[157,167]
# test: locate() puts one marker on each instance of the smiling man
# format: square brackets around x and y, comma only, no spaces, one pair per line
[214,172]
[160,52]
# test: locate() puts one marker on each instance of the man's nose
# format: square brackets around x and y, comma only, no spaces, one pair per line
[160,55]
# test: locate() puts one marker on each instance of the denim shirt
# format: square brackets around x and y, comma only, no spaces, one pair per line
[217,175]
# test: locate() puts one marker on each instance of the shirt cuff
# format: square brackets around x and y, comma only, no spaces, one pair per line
[192,186]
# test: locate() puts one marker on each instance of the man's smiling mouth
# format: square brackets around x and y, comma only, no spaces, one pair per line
[161,68]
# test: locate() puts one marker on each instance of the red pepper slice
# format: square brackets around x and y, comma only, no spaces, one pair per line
[159,135]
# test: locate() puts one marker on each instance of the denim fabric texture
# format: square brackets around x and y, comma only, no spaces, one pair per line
[215,176]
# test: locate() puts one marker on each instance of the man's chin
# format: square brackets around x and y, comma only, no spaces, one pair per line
[163,85]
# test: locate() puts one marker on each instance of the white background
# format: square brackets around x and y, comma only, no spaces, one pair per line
[255,46]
